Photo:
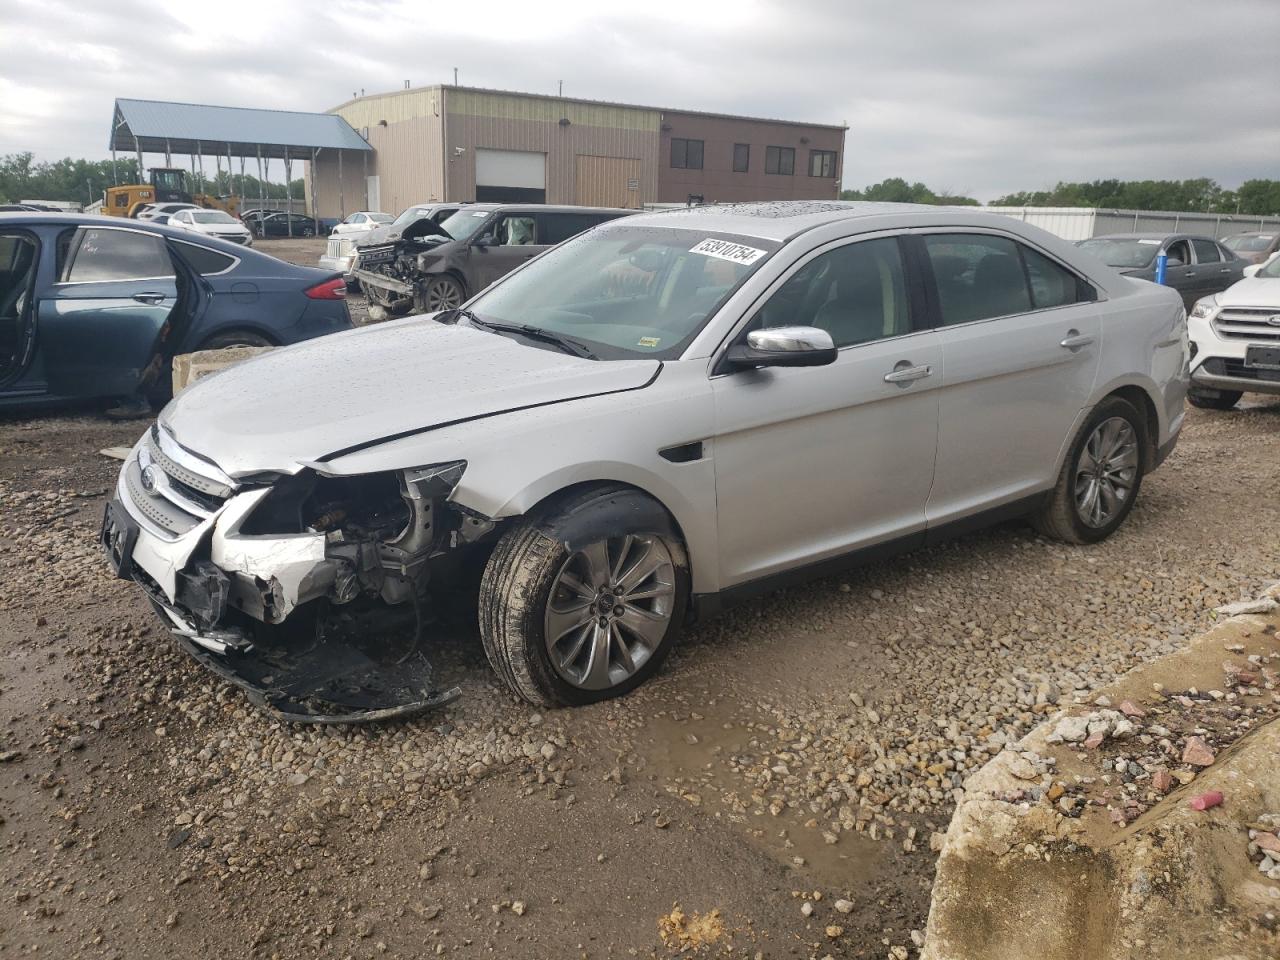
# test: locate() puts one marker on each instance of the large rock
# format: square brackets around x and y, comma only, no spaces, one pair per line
[190,367]
[1093,859]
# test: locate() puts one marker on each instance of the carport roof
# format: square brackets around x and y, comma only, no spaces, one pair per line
[157,126]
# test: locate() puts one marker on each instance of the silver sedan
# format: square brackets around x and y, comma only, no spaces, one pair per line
[667,413]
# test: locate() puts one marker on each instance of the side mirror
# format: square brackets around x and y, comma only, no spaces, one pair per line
[488,240]
[1252,269]
[783,347]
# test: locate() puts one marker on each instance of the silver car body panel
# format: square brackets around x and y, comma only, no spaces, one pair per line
[796,465]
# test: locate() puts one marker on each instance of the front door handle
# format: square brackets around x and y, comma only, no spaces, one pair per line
[151,298]
[1075,340]
[904,373]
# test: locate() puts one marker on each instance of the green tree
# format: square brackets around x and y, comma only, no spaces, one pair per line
[897,190]
[1197,195]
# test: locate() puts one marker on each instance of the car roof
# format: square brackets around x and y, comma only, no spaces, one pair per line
[1149,236]
[783,219]
[126,223]
[540,208]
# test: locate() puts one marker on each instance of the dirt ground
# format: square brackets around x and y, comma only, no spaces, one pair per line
[305,252]
[780,779]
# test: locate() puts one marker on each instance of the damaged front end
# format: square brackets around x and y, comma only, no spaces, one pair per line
[311,592]
[392,271]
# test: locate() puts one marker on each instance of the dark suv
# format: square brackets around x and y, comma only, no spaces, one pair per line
[436,266]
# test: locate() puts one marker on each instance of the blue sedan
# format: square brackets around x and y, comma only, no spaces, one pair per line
[98,306]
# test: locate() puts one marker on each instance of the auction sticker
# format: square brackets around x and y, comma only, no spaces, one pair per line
[727,250]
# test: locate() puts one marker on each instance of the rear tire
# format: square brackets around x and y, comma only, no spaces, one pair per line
[1214,399]
[1100,477]
[235,338]
[607,640]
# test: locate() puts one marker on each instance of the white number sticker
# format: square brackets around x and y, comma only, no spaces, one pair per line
[725,250]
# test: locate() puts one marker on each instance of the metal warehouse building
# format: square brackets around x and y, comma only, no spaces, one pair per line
[464,143]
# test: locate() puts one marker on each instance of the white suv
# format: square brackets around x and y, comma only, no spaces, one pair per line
[1235,337]
[660,415]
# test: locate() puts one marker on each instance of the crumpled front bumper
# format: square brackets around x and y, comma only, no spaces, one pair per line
[219,592]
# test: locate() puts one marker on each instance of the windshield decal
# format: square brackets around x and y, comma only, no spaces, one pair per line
[649,341]
[725,250]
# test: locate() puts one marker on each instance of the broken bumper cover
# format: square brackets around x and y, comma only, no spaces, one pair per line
[213,609]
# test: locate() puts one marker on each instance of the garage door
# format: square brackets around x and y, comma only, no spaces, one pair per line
[511,176]
[608,182]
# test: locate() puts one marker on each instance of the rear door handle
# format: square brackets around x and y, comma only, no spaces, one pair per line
[1075,341]
[904,373]
[151,298]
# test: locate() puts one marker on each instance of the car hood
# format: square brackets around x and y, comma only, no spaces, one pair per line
[1252,292]
[300,404]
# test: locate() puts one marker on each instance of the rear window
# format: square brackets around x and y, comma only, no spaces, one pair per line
[1122,254]
[977,277]
[1247,244]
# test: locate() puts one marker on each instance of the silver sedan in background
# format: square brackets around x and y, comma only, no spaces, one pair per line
[664,414]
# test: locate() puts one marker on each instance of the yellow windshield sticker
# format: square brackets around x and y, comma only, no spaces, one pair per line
[649,341]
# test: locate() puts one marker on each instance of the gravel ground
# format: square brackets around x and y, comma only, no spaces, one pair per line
[306,252]
[779,781]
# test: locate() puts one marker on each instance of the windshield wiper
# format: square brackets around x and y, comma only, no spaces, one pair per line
[566,344]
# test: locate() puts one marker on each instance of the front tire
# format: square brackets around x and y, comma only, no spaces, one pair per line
[439,293]
[571,625]
[1101,477]
[1214,399]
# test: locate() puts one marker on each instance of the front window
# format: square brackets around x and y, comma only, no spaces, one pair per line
[1271,270]
[463,224]
[170,180]
[1123,254]
[379,218]
[780,160]
[627,291]
[210,216]
[822,163]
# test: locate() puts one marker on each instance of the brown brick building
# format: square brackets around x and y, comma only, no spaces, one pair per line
[463,143]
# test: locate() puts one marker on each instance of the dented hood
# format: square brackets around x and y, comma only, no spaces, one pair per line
[302,403]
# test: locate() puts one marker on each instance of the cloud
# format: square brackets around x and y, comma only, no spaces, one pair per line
[983,98]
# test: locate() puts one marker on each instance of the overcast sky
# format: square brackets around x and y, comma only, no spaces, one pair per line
[981,97]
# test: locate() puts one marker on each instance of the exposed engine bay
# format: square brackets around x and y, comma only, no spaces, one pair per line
[395,269]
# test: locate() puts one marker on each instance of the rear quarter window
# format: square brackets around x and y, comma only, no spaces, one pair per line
[202,260]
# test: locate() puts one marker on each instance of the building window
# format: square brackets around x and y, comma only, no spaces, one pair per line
[822,163]
[781,160]
[686,154]
[741,157]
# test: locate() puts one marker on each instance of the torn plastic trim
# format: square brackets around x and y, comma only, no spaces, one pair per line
[326,684]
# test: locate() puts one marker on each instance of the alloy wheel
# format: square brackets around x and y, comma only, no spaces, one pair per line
[1106,471]
[609,609]
[443,295]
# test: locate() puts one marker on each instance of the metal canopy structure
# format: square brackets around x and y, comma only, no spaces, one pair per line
[155,126]
[200,130]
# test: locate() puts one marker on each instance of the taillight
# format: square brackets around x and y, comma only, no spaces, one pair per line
[335,289]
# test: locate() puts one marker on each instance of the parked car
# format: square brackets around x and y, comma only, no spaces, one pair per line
[212,223]
[658,416]
[154,211]
[340,252]
[19,208]
[1235,340]
[435,266]
[280,225]
[1196,266]
[360,223]
[83,302]
[1257,246]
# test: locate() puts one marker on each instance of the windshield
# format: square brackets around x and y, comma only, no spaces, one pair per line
[627,291]
[1122,254]
[1271,270]
[412,214]
[464,223]
[1245,243]
[380,217]
[212,216]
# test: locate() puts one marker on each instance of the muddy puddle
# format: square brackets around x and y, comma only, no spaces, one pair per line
[735,766]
